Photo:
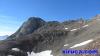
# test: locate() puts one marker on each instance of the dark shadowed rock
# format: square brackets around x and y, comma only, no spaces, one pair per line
[28,27]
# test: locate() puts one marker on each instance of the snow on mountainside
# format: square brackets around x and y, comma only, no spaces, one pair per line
[43,53]
[3,37]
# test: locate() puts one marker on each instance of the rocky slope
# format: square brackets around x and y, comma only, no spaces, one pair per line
[38,35]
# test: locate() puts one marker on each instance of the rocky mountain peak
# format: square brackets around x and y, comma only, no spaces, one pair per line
[28,27]
[31,24]
[35,19]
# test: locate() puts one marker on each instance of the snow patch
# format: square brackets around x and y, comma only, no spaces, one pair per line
[85,26]
[15,49]
[66,28]
[43,53]
[10,55]
[66,44]
[82,43]
[73,30]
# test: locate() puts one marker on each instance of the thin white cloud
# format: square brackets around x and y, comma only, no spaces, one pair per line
[7,17]
[4,19]
[8,25]
[5,33]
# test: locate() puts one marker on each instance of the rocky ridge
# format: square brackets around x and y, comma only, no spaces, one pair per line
[38,35]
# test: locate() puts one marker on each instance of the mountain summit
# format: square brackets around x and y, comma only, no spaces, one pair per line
[28,27]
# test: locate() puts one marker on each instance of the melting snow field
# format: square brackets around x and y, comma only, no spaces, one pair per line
[82,43]
[66,28]
[15,49]
[66,44]
[85,26]
[10,55]
[73,30]
[44,53]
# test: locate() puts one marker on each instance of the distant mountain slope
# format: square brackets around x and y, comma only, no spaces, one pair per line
[3,37]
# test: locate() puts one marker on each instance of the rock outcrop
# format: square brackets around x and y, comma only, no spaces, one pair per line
[28,27]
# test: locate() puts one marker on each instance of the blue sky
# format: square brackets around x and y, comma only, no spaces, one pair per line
[14,12]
